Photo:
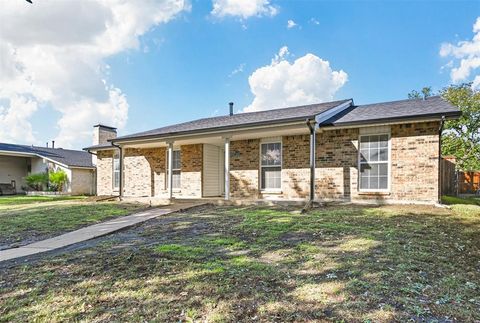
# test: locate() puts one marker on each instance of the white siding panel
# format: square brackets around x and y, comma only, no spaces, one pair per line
[212,170]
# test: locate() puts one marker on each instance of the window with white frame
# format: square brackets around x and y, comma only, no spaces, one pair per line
[176,169]
[374,162]
[116,170]
[271,166]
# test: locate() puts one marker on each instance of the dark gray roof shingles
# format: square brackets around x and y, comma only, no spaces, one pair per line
[404,109]
[240,119]
[71,158]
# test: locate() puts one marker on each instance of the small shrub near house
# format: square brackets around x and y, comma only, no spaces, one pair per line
[57,180]
[51,181]
[37,181]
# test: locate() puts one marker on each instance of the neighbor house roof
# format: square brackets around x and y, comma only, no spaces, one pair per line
[67,157]
[404,110]
[395,111]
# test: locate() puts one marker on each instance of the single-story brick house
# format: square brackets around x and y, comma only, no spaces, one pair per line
[18,161]
[381,152]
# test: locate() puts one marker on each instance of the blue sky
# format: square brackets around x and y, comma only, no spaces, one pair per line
[183,68]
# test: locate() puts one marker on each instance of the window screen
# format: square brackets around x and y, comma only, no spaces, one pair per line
[374,162]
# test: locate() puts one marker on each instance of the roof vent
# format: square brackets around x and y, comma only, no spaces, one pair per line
[231,108]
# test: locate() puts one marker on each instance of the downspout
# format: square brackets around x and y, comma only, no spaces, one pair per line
[120,163]
[440,130]
[311,126]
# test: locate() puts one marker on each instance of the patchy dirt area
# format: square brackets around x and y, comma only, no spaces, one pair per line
[341,263]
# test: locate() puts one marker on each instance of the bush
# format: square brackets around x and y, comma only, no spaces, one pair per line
[57,180]
[37,181]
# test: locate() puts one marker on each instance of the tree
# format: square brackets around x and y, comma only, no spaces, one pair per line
[426,92]
[461,138]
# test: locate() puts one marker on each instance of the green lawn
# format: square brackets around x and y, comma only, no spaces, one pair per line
[22,199]
[224,264]
[474,200]
[25,219]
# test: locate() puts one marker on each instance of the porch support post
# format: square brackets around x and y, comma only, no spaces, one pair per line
[227,168]
[312,127]
[170,170]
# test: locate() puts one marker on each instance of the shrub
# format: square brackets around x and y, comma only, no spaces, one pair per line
[37,181]
[57,180]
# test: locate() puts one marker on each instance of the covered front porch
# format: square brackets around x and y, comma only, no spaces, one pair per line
[209,166]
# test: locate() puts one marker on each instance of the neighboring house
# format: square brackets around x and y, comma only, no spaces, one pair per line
[18,161]
[382,152]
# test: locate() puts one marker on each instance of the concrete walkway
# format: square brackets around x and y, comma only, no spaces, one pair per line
[90,232]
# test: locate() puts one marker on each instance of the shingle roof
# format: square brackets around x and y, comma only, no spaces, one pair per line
[395,110]
[71,158]
[240,119]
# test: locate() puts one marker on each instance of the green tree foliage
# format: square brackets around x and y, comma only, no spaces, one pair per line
[37,181]
[461,138]
[57,180]
[426,92]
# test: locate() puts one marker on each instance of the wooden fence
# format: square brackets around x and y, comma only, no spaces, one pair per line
[469,182]
[456,182]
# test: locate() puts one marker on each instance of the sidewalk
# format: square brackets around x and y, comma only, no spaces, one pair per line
[90,232]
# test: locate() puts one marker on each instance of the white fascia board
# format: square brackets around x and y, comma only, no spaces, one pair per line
[319,118]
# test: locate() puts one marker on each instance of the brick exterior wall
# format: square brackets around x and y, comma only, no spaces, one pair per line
[244,168]
[144,171]
[104,172]
[414,167]
[191,173]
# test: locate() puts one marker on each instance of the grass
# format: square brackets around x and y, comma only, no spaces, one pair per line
[25,219]
[22,199]
[452,200]
[220,264]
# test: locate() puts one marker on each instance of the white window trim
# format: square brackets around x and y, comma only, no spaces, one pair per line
[389,163]
[271,141]
[116,155]
[178,189]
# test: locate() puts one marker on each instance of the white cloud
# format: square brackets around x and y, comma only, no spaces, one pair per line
[52,54]
[466,55]
[314,21]
[243,8]
[238,69]
[291,24]
[309,79]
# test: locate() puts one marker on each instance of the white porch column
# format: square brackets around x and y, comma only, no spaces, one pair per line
[170,170]
[227,168]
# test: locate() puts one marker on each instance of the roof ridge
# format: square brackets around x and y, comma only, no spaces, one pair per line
[403,100]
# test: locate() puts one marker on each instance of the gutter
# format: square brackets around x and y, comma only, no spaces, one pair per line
[440,130]
[120,161]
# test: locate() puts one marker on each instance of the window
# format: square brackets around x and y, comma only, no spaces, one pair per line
[176,168]
[116,171]
[374,159]
[271,166]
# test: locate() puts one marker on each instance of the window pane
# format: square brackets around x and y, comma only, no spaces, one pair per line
[176,183]
[363,155]
[383,154]
[384,141]
[271,154]
[373,182]
[383,182]
[271,177]
[383,169]
[374,170]
[374,154]
[176,160]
